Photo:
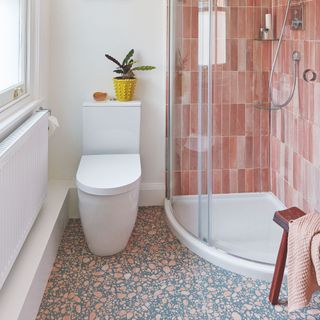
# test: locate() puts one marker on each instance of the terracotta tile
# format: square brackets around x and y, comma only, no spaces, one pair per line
[233,119]
[233,181]
[242,180]
[233,159]
[226,114]
[240,121]
[241,149]
[225,152]
[216,181]
[185,159]
[185,182]
[217,153]
[187,22]
[193,182]
[249,152]
[225,181]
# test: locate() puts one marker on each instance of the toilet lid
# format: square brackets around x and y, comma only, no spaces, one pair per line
[108,174]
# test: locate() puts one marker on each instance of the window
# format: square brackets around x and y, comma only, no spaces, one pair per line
[13,52]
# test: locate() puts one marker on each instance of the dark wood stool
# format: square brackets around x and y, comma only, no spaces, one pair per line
[282,218]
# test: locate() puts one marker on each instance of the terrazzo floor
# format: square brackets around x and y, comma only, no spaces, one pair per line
[156,277]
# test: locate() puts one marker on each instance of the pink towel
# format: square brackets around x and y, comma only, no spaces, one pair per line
[303,260]
[315,255]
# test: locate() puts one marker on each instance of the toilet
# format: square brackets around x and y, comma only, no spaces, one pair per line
[109,173]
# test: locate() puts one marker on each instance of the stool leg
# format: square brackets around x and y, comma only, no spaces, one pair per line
[279,270]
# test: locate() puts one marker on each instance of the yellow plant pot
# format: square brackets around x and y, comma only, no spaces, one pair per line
[124,88]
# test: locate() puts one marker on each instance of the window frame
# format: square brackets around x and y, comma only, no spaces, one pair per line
[21,93]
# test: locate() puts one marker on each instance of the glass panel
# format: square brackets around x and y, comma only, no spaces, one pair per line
[12,37]
[219,140]
[189,117]
[240,133]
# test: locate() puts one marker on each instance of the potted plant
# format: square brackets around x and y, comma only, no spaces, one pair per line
[125,83]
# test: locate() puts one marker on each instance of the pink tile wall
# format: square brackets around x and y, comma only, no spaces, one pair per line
[240,133]
[295,131]
[185,116]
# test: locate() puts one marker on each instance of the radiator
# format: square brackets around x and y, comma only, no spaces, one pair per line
[23,185]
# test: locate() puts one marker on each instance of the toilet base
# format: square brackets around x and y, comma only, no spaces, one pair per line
[108,220]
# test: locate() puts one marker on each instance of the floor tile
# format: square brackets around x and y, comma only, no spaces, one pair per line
[155,277]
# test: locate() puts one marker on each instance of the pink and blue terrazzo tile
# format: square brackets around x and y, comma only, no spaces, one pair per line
[156,277]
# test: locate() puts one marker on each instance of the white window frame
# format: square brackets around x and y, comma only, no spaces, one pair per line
[28,91]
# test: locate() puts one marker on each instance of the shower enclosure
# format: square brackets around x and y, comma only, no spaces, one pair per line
[218,170]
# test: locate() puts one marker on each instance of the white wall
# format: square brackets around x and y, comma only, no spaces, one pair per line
[82,32]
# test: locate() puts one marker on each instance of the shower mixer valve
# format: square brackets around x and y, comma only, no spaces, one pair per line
[297,17]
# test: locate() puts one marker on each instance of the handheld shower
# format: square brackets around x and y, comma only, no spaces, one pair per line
[296,57]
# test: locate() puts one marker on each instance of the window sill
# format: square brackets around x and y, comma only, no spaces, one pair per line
[19,102]
[12,117]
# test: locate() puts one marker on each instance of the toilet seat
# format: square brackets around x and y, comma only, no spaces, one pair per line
[108,174]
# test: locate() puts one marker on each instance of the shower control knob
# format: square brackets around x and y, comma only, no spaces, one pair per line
[296,24]
[309,75]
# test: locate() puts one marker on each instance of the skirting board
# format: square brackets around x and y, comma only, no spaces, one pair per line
[151,194]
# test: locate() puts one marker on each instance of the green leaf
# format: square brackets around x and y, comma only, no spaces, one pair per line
[143,68]
[128,57]
[113,60]
[118,71]
[132,62]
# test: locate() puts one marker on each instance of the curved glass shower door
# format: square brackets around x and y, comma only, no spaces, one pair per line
[219,172]
[190,115]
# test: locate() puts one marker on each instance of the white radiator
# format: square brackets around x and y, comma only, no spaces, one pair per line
[23,185]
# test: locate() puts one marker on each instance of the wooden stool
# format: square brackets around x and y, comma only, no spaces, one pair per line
[282,218]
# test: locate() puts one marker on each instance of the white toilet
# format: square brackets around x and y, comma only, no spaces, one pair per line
[108,177]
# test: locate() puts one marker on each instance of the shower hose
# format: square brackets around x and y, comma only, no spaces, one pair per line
[296,57]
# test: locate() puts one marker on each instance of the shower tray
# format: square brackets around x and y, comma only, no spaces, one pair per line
[245,239]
